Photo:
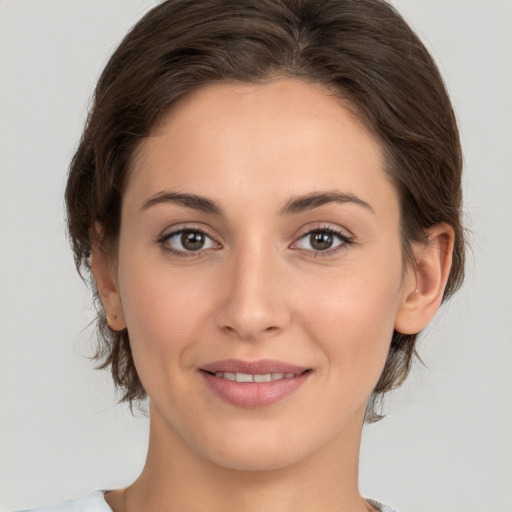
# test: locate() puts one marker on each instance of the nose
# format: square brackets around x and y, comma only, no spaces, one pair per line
[254,302]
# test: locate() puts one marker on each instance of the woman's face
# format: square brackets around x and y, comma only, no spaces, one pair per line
[260,236]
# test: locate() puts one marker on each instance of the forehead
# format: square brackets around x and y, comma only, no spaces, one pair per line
[245,142]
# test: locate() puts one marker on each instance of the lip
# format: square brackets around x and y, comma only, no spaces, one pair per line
[253,394]
[261,366]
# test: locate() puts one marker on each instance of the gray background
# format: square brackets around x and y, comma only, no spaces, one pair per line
[446,444]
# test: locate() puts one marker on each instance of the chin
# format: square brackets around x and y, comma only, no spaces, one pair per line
[259,447]
[255,458]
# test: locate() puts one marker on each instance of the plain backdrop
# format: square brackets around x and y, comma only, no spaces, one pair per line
[446,443]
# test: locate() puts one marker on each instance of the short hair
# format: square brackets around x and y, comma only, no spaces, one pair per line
[362,50]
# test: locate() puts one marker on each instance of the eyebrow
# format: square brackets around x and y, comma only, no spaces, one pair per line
[315,199]
[188,200]
[292,206]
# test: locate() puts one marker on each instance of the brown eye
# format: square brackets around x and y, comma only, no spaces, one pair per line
[187,241]
[192,240]
[321,240]
[325,241]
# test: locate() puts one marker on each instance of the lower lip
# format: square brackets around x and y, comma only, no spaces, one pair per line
[254,394]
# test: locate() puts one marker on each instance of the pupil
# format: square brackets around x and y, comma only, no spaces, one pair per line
[321,240]
[192,240]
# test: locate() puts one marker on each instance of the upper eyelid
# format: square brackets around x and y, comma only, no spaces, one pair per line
[168,232]
[326,227]
[344,237]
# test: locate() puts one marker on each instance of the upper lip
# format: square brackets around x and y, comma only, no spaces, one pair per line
[260,367]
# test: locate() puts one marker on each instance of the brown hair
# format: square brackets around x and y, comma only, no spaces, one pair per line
[360,49]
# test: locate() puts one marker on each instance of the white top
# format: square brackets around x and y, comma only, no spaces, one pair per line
[95,502]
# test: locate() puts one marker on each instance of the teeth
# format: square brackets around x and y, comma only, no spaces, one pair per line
[244,377]
[267,377]
[249,377]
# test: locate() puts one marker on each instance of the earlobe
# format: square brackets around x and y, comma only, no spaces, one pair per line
[103,270]
[425,283]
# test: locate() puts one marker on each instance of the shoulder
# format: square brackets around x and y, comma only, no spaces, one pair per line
[93,502]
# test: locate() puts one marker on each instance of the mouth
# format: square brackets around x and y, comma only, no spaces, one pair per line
[256,377]
[253,384]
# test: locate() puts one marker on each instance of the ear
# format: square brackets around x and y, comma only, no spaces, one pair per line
[425,282]
[103,270]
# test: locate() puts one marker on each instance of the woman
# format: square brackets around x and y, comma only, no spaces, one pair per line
[267,195]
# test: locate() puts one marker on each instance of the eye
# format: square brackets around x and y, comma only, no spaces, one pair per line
[187,241]
[326,240]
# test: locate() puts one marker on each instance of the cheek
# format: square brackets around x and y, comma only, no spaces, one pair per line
[163,317]
[351,320]
[160,310]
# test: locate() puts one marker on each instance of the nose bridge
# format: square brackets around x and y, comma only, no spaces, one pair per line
[254,304]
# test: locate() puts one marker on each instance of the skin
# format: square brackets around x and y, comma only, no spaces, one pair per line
[259,289]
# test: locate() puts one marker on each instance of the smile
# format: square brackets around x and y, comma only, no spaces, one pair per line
[258,377]
[253,384]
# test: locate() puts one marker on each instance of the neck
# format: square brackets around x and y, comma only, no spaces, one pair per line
[177,478]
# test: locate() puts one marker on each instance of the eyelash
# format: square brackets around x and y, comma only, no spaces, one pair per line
[183,254]
[345,240]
